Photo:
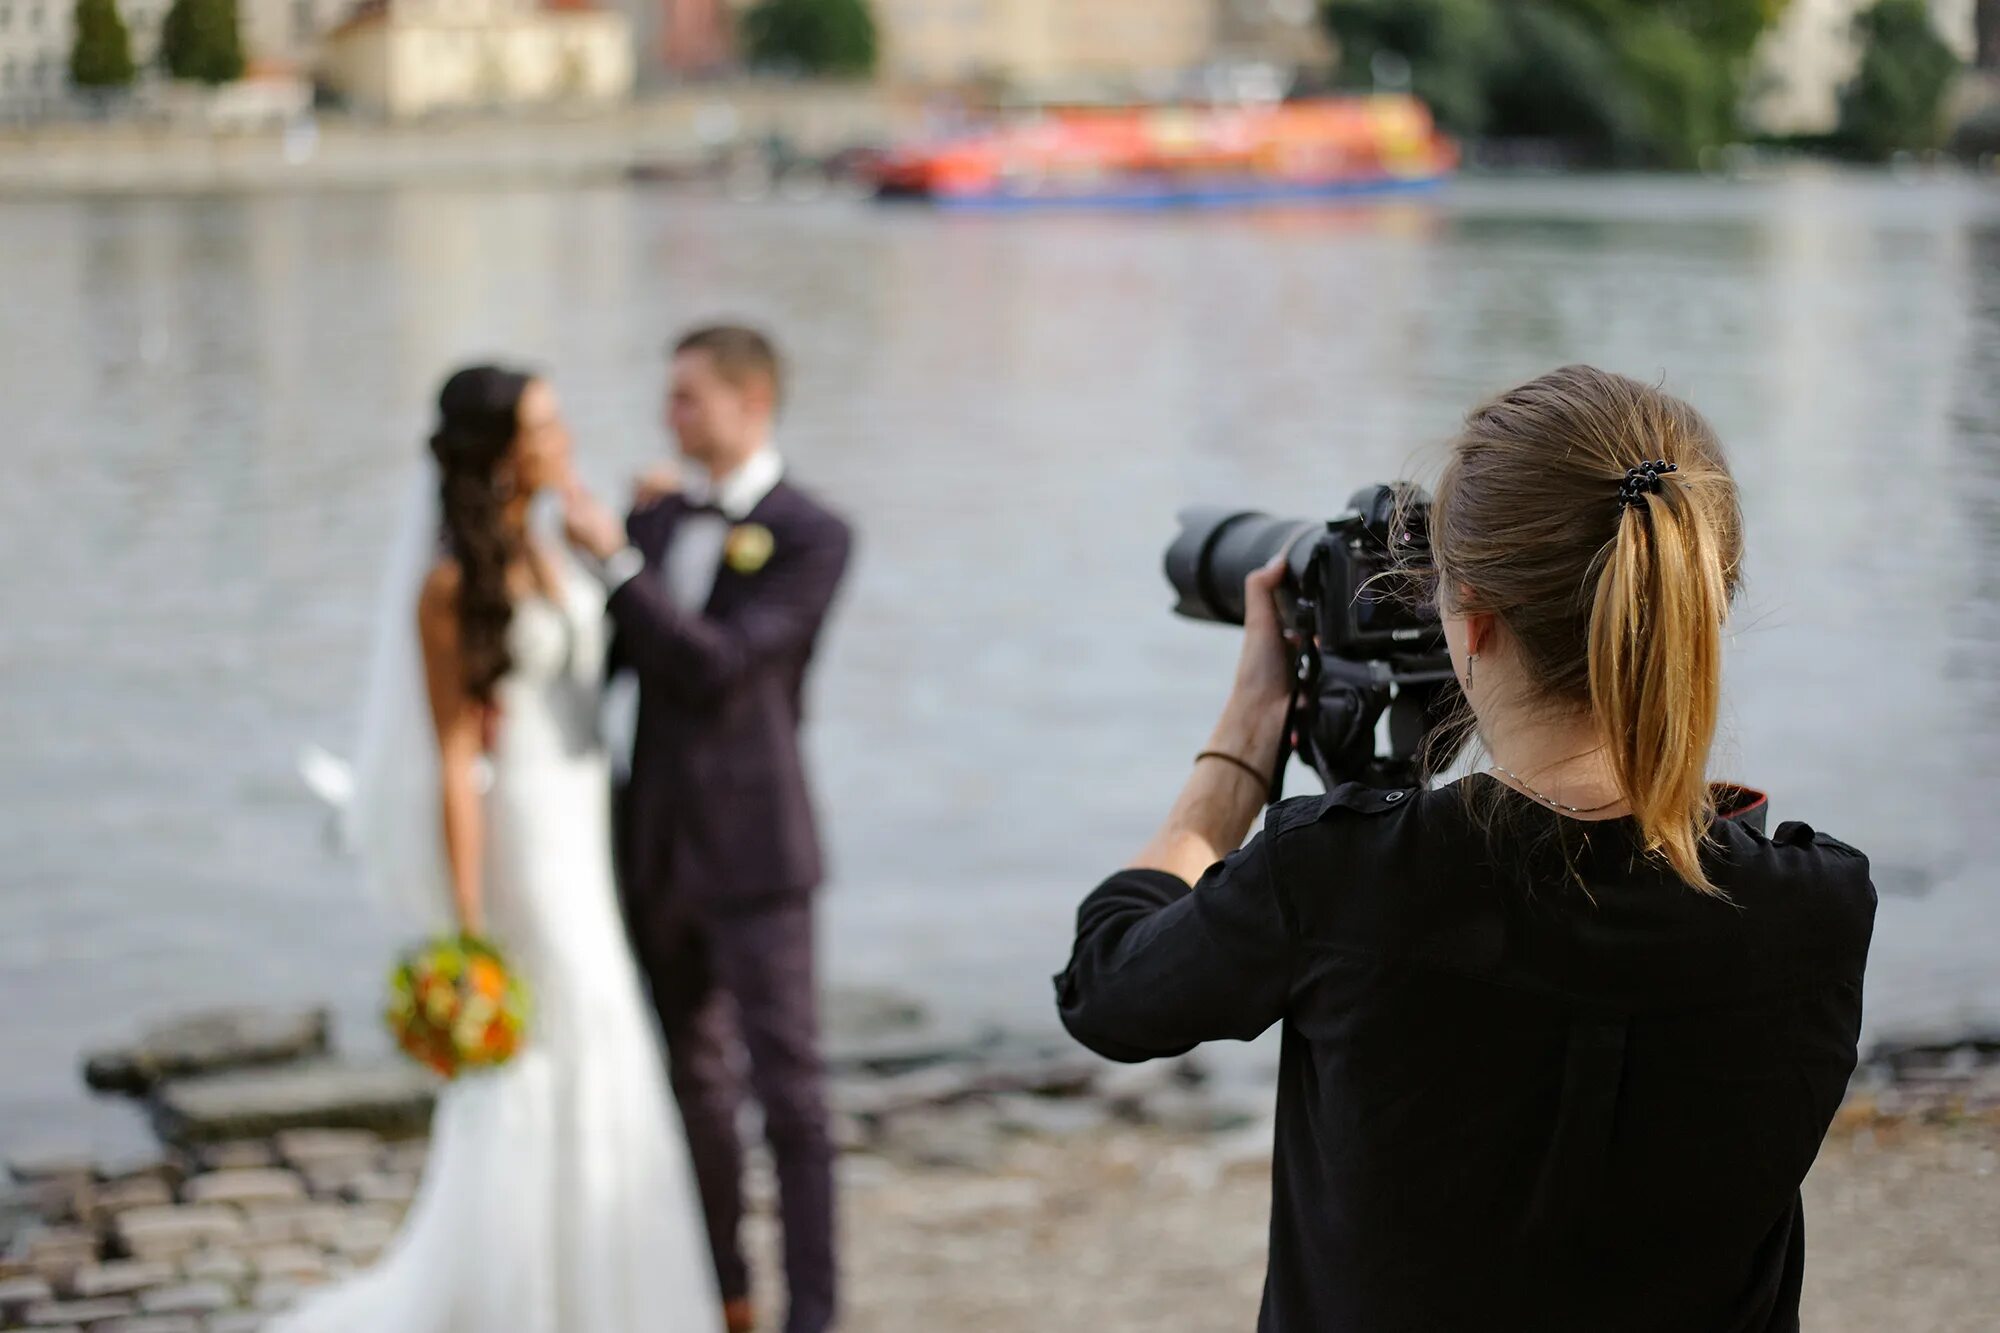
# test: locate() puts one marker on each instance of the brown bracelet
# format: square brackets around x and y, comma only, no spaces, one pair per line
[1262,780]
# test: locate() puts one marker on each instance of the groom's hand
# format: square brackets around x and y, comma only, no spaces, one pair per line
[591,528]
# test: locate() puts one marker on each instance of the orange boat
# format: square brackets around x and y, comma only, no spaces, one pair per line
[1189,156]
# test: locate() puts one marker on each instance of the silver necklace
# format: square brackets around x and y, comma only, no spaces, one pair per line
[1550,801]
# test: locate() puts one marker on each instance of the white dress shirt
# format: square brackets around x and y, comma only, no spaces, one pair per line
[693,558]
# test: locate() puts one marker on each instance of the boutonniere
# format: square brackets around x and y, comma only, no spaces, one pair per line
[748,548]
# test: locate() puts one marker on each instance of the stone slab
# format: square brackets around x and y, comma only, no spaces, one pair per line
[209,1042]
[122,1277]
[301,1148]
[170,1233]
[125,1195]
[268,1185]
[17,1294]
[76,1312]
[238,1155]
[392,1098]
[296,1262]
[189,1298]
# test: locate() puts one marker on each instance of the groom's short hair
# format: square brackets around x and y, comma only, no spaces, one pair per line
[740,353]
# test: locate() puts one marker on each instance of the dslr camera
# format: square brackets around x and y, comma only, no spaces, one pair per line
[1372,679]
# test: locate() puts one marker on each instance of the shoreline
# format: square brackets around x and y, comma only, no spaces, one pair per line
[687,132]
[1136,1196]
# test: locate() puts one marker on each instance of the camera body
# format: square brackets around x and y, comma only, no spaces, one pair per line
[1370,643]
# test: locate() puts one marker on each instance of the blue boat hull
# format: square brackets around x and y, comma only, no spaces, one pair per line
[1148,195]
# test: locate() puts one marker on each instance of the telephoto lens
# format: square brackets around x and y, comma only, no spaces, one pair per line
[1219,548]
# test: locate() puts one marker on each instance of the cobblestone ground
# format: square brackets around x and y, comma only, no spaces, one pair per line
[1107,1229]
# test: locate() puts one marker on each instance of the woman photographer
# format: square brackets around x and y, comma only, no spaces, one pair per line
[1561,1039]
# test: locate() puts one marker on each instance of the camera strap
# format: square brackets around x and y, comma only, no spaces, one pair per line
[1305,684]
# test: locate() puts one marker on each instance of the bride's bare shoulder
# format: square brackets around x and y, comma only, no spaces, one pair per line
[437,602]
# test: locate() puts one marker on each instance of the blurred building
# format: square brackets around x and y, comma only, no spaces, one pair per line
[35,37]
[1046,47]
[403,58]
[1805,60]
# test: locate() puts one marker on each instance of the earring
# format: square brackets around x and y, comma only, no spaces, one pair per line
[1470,659]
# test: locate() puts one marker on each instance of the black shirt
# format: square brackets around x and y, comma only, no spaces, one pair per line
[1510,1097]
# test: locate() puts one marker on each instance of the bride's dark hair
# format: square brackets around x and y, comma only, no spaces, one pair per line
[478,421]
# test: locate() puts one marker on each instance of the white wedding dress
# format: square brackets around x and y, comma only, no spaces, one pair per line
[558,1197]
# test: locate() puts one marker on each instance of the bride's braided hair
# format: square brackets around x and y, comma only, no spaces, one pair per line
[477,424]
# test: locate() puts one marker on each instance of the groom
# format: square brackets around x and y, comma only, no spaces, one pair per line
[717,597]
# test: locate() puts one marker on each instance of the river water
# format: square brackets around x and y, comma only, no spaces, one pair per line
[209,406]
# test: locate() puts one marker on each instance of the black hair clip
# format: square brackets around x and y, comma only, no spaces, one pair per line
[1642,481]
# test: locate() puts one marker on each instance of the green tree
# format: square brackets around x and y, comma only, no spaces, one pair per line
[1622,80]
[1896,100]
[101,56]
[1449,46]
[200,39]
[834,37]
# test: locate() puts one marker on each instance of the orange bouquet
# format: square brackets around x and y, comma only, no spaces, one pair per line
[454,1005]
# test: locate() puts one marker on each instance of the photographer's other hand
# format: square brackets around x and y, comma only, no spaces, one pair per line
[1224,792]
[1264,670]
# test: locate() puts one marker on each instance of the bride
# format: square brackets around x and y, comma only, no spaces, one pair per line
[558,1197]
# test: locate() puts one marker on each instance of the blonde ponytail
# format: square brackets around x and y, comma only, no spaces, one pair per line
[1655,663]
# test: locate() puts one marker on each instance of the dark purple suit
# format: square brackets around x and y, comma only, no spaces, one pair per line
[718,857]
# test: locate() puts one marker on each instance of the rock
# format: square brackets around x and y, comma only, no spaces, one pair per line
[241,1187]
[289,1261]
[900,1051]
[393,1099]
[56,1253]
[362,1239]
[851,1133]
[17,1294]
[121,1278]
[879,1098]
[302,1149]
[166,1323]
[859,1012]
[53,1202]
[143,1166]
[189,1298]
[966,1138]
[409,1157]
[208,1043]
[241,1321]
[1049,1117]
[334,1181]
[383,1187]
[170,1233]
[76,1312]
[271,1224]
[51,1163]
[1185,1111]
[238,1155]
[125,1195]
[217,1266]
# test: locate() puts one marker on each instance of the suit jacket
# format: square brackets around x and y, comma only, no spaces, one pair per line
[717,814]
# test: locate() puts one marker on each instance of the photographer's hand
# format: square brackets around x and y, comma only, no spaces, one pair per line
[1221,797]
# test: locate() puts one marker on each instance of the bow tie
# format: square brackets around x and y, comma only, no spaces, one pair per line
[692,506]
